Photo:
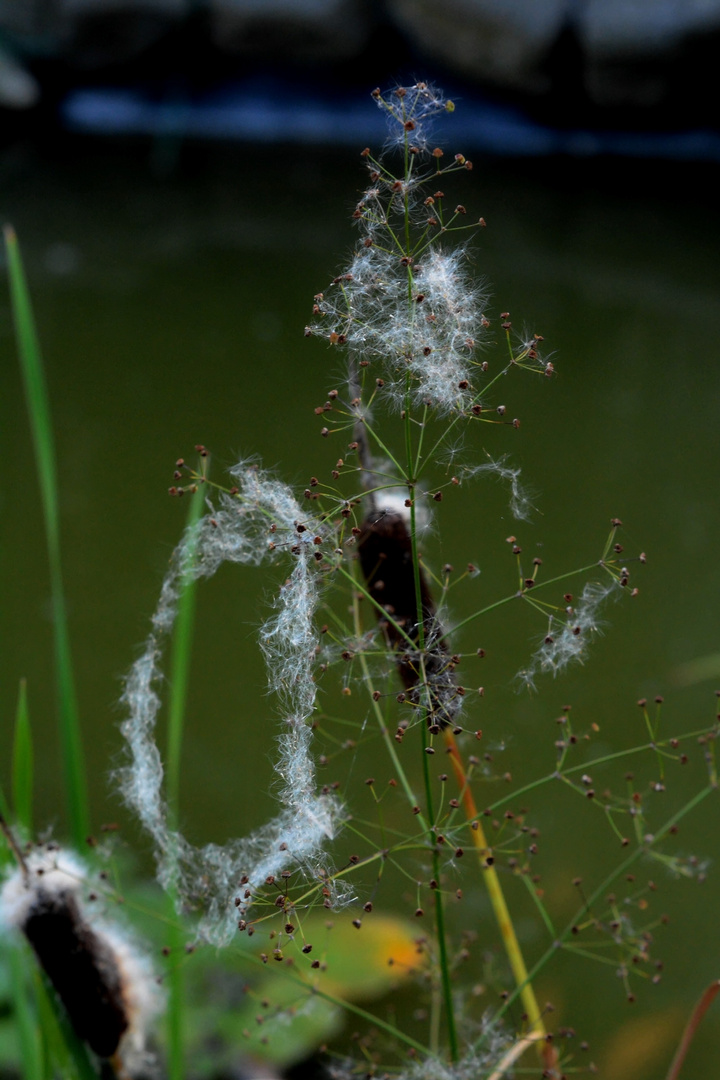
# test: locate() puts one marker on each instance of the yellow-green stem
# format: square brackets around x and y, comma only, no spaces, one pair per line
[499,905]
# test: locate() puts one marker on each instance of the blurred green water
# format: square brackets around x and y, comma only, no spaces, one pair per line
[171,309]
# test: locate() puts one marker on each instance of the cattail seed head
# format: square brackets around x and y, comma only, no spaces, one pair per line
[106,985]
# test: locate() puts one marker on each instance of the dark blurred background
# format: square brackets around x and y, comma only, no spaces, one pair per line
[181,177]
[541,73]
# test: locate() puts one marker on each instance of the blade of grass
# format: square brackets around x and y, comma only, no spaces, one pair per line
[40,422]
[180,669]
[179,679]
[22,768]
[29,1035]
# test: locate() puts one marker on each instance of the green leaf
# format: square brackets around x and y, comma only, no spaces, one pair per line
[280,1009]
[40,422]
[355,964]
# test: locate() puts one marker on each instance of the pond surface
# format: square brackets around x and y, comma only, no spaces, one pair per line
[171,296]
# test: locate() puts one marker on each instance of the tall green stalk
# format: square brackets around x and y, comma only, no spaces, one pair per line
[179,680]
[38,406]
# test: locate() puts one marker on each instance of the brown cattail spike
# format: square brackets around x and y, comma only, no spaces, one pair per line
[385,552]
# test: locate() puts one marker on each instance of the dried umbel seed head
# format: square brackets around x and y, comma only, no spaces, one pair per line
[107,988]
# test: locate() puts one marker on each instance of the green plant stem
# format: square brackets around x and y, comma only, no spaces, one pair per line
[40,422]
[514,596]
[22,770]
[176,995]
[587,766]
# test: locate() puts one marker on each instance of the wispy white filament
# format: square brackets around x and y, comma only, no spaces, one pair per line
[257,525]
[520,505]
[410,306]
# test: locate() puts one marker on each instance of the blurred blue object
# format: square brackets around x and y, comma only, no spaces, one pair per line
[270,111]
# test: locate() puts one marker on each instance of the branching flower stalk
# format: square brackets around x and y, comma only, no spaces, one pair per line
[410,316]
[409,304]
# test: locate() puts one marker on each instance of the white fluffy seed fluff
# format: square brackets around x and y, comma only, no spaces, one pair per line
[55,870]
[567,640]
[434,337]
[393,501]
[52,879]
[410,307]
[238,531]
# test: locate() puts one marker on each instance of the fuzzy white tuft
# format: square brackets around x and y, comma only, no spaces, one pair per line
[492,1050]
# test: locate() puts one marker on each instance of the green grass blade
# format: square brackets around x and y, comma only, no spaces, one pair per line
[29,1035]
[40,422]
[179,679]
[22,769]
[180,672]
